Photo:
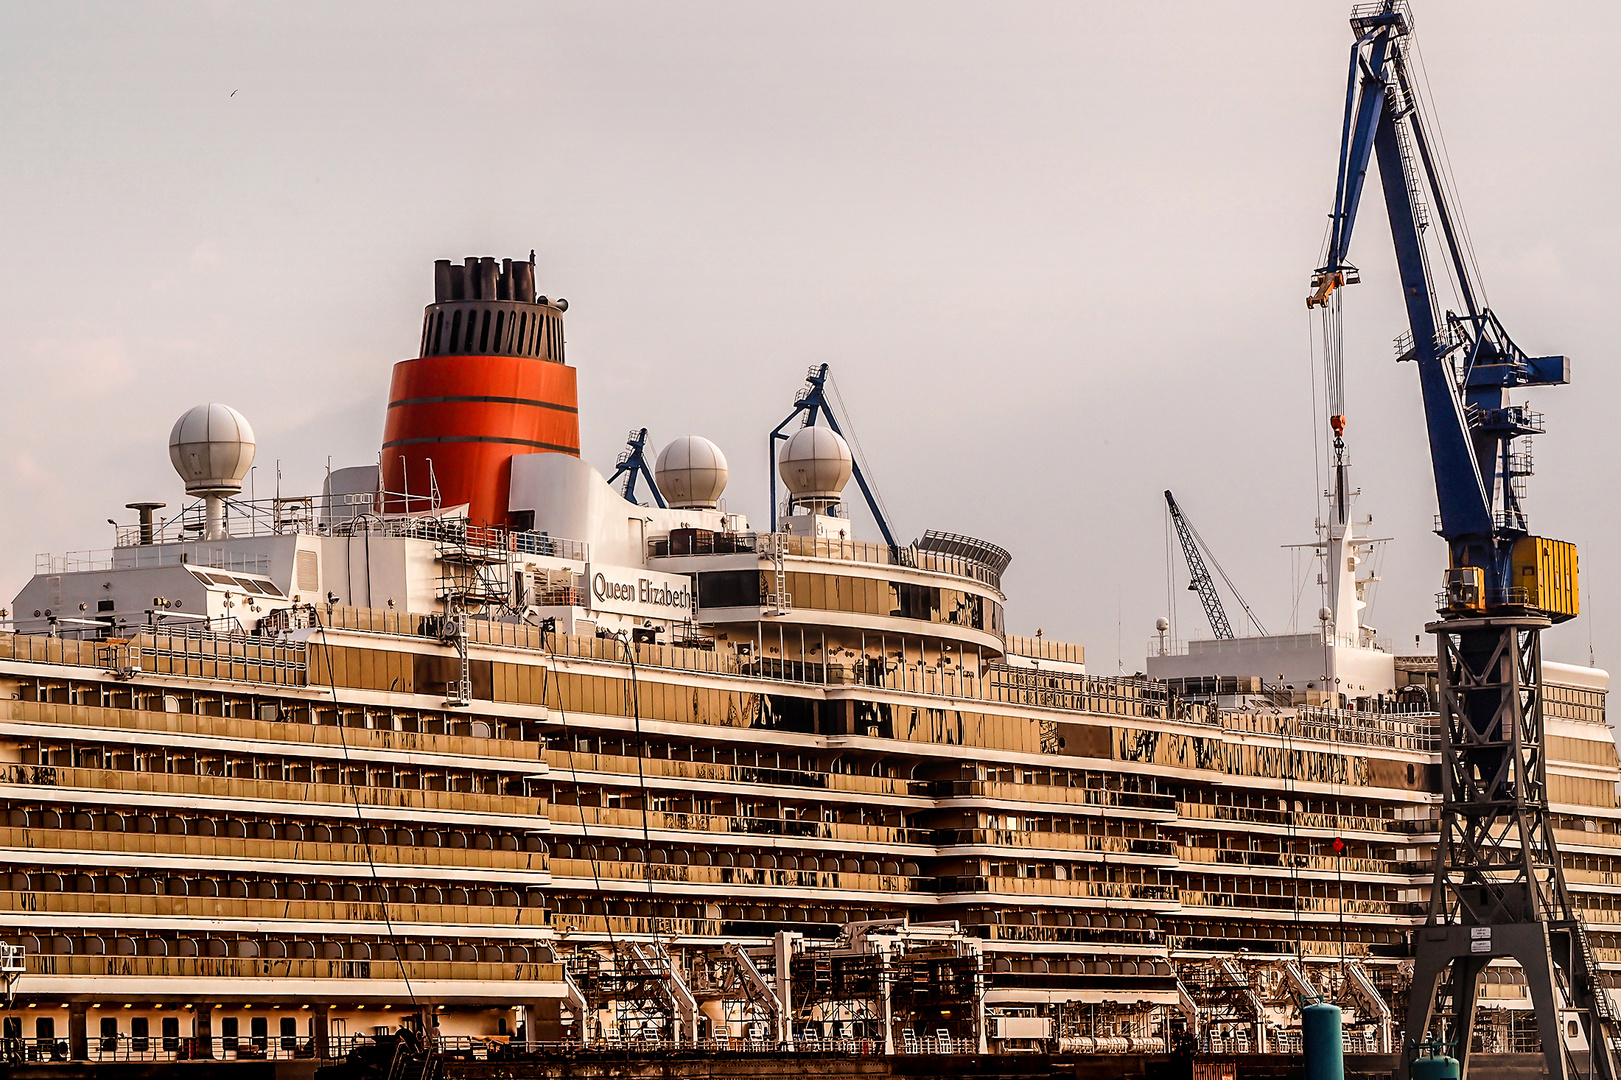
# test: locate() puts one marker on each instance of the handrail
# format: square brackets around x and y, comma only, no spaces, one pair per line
[829,549]
[288,791]
[191,847]
[237,967]
[159,905]
[269,732]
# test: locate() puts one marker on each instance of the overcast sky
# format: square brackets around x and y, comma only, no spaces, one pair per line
[1056,255]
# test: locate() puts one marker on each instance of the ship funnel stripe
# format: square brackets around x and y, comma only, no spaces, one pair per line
[554,447]
[484,400]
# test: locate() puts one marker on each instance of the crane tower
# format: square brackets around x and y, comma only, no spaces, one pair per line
[1498,890]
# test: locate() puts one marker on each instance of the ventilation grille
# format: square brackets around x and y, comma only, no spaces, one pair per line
[306,572]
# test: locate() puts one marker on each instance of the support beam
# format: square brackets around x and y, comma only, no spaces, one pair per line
[1384,1020]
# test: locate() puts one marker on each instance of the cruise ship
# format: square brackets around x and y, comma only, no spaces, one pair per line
[477,737]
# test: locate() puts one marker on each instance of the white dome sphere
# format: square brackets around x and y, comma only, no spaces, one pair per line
[691,473]
[212,449]
[816,463]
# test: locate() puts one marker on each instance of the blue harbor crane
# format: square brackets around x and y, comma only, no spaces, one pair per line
[1499,887]
[633,463]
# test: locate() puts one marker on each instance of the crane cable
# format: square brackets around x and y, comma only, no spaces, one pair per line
[585,830]
[855,442]
[360,816]
[1432,126]
[1217,564]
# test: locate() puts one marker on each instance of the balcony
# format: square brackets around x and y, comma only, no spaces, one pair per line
[828,549]
[136,906]
[1157,896]
[722,773]
[302,798]
[1150,802]
[1148,849]
[1317,864]
[725,825]
[276,856]
[273,734]
[735,876]
[1277,819]
[179,969]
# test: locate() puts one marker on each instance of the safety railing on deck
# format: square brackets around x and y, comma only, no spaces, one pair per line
[826,548]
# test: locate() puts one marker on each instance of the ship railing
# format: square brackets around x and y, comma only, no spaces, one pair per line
[1049,793]
[626,1043]
[1418,732]
[724,772]
[1290,819]
[140,557]
[343,515]
[1274,643]
[826,548]
[267,1046]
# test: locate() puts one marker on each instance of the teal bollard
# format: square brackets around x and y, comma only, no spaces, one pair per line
[1323,1035]
[1437,1067]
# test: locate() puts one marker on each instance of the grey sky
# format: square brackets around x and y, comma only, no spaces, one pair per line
[1056,254]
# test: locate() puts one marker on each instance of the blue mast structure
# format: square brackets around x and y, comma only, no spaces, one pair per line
[633,463]
[812,402]
[1466,361]
[1498,888]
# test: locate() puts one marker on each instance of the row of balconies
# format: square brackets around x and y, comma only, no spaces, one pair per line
[290,734]
[1162,806]
[1279,819]
[734,876]
[1299,861]
[1058,841]
[504,912]
[725,774]
[383,852]
[1333,905]
[325,799]
[1164,896]
[599,816]
[179,970]
[186,760]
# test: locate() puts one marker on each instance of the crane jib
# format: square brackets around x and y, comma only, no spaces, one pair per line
[1466,363]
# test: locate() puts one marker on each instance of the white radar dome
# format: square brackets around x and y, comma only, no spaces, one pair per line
[816,464]
[212,449]
[691,473]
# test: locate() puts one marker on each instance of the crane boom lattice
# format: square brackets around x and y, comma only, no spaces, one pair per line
[1201,583]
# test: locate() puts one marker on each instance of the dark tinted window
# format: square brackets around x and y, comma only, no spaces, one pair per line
[730,588]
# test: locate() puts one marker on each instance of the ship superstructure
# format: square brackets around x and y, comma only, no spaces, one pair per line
[469,734]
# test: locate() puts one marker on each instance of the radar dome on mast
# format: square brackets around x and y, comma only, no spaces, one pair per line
[815,464]
[691,473]
[212,447]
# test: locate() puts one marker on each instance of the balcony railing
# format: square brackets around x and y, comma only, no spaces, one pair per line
[161,848]
[178,969]
[724,773]
[135,906]
[1158,895]
[1056,841]
[725,824]
[1279,819]
[1050,793]
[270,732]
[282,791]
[829,549]
[738,876]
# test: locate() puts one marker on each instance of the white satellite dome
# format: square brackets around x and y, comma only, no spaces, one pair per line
[816,464]
[691,473]
[211,447]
